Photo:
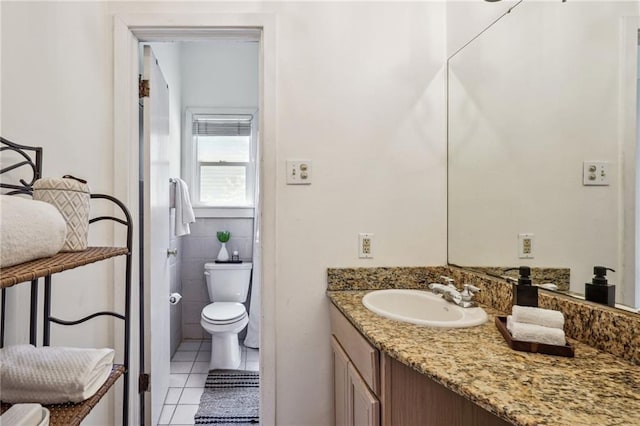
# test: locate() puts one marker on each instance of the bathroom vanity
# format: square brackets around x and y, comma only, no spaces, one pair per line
[389,372]
[371,388]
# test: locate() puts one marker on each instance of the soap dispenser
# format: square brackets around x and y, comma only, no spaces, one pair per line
[524,294]
[599,290]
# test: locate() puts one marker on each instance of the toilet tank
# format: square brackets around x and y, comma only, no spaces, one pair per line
[228,282]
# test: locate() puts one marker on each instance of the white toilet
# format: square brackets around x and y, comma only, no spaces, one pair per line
[228,285]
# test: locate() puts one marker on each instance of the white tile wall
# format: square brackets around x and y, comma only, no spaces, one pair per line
[175,285]
[198,248]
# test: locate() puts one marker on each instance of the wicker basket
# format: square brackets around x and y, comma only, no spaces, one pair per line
[71,196]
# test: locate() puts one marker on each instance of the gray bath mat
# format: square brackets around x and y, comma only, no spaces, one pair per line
[230,398]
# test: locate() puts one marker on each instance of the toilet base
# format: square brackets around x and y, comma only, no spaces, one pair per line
[225,347]
[225,351]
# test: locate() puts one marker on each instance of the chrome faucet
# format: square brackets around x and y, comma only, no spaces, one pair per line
[451,293]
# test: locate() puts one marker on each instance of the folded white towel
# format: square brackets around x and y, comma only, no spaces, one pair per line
[184,210]
[535,333]
[29,230]
[51,375]
[509,322]
[538,316]
[25,415]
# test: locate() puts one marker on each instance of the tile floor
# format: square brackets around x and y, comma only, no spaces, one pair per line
[188,373]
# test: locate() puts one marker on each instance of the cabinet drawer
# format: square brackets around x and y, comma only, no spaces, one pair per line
[365,358]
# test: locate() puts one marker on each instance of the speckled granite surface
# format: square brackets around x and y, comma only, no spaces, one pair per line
[611,330]
[558,276]
[379,278]
[594,388]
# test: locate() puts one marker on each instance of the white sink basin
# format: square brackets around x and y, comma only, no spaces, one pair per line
[422,308]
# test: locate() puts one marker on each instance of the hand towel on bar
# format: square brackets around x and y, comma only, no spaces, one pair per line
[184,210]
[51,375]
[25,415]
[535,333]
[538,316]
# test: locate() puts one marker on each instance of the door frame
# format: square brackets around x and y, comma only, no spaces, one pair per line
[157,27]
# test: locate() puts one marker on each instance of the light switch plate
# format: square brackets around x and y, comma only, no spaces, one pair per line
[298,172]
[596,173]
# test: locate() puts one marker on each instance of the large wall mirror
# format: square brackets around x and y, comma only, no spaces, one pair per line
[548,87]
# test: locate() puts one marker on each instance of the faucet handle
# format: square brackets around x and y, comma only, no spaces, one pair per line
[449,282]
[471,288]
[468,292]
[438,288]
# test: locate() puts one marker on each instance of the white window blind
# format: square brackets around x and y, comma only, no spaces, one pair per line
[225,166]
[222,126]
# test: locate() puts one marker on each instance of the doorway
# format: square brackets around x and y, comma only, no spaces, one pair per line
[129,31]
[216,142]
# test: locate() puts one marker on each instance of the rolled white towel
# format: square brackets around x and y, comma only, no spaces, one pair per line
[29,230]
[25,415]
[51,375]
[538,316]
[535,333]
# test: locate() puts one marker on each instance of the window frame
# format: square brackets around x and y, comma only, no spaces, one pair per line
[191,166]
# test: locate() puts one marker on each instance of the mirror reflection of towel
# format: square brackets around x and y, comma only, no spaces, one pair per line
[184,210]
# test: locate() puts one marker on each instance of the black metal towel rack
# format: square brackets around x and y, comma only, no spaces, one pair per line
[27,161]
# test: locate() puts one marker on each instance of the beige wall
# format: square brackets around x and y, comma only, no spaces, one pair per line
[360,91]
[57,93]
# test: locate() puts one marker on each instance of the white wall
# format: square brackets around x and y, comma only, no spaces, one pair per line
[170,59]
[533,98]
[175,286]
[220,74]
[360,91]
[467,19]
[57,93]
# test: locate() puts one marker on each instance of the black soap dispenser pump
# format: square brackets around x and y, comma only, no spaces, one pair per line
[524,294]
[599,290]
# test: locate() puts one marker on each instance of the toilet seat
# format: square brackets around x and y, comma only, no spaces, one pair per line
[223,313]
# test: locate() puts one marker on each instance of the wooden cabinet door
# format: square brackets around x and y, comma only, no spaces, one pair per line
[340,384]
[363,407]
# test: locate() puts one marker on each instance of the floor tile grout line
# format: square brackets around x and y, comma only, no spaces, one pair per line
[203,348]
[173,412]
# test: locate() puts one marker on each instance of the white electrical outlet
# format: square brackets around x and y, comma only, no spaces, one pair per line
[365,245]
[525,246]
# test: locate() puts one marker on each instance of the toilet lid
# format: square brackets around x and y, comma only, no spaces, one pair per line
[224,312]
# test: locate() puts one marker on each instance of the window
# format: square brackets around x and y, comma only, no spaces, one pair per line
[222,165]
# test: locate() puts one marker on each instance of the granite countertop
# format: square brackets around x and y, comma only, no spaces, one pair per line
[594,388]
